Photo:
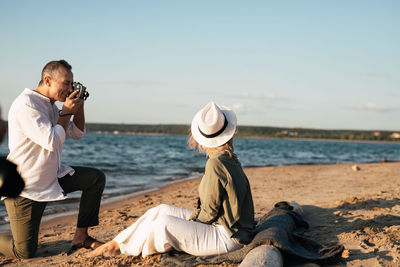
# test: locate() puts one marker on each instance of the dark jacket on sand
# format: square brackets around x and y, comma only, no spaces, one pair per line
[282,228]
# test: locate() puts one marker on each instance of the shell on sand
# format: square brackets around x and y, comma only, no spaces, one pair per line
[355,168]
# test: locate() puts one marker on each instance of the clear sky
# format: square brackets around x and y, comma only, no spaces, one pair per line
[310,64]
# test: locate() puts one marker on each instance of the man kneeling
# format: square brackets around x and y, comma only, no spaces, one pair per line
[37,131]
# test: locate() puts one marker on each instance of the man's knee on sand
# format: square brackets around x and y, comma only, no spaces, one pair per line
[25,250]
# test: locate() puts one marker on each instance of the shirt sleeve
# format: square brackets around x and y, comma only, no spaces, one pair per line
[37,126]
[211,192]
[74,132]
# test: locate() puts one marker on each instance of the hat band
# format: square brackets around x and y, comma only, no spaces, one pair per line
[217,133]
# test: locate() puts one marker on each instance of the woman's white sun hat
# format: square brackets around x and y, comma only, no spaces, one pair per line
[213,125]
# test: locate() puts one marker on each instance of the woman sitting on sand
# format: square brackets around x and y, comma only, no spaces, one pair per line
[224,219]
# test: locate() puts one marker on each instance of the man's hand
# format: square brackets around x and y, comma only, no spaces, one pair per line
[72,104]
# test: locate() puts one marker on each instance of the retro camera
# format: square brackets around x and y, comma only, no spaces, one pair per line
[82,94]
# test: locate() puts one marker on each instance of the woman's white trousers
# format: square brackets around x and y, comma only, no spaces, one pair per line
[164,227]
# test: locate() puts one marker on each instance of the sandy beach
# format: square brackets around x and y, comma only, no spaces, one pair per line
[359,209]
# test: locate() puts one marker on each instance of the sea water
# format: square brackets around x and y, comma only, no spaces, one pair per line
[136,163]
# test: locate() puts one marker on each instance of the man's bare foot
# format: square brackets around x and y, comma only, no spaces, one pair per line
[80,236]
[109,249]
[89,243]
[83,240]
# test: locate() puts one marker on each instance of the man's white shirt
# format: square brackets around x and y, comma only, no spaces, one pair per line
[35,141]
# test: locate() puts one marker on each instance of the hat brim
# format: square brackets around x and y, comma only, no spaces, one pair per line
[221,139]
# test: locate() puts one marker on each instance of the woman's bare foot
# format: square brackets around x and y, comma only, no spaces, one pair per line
[109,249]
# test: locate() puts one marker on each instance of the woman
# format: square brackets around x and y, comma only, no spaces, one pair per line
[224,219]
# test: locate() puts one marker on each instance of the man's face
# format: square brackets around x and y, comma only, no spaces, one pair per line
[61,85]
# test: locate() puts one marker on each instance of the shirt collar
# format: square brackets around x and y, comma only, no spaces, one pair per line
[36,94]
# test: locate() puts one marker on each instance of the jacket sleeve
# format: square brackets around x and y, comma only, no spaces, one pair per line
[211,191]
[37,126]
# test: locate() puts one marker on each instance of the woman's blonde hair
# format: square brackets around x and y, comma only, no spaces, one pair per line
[227,147]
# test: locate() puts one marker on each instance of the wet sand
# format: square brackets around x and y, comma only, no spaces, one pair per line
[358,209]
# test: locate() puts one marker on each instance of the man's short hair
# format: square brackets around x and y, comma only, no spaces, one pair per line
[52,67]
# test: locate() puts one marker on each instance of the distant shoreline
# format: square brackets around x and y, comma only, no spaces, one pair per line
[256,137]
[250,132]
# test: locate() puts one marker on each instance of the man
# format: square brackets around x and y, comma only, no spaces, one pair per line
[37,131]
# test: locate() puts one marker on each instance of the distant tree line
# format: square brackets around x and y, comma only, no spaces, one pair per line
[247,131]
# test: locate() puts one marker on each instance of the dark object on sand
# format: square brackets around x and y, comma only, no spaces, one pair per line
[282,228]
[11,183]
